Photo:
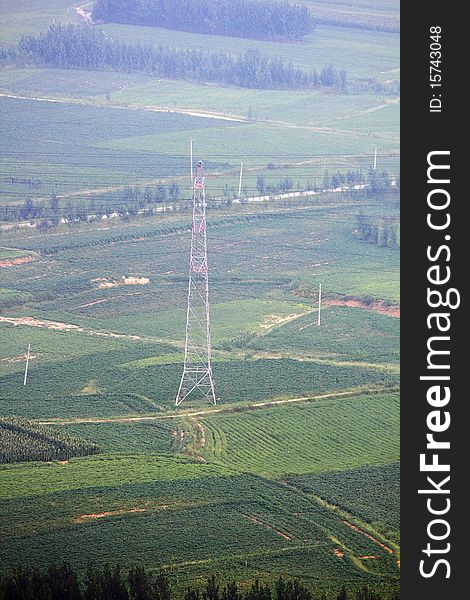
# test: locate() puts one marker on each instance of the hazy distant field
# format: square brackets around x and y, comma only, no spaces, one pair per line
[298,473]
[339,124]
[31,16]
[56,144]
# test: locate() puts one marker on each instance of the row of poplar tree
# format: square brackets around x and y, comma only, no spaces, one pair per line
[89,48]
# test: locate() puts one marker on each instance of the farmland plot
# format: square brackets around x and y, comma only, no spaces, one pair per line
[56,144]
[292,473]
[232,516]
[309,437]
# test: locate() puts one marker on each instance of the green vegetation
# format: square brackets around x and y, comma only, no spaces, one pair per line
[73,162]
[22,440]
[372,493]
[256,19]
[314,437]
[10,298]
[84,47]
[121,346]
[106,471]
[349,334]
[294,472]
[200,516]
[377,16]
[383,232]
[12,253]
[32,16]
[374,53]
[63,583]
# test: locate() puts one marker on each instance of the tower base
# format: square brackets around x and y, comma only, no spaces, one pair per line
[196,379]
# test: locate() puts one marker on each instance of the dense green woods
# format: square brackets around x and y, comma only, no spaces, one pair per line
[258,19]
[62,583]
[21,440]
[85,47]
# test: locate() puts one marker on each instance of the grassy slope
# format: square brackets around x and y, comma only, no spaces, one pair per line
[238,523]
[373,493]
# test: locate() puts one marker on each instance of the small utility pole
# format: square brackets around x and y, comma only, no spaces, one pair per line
[191,158]
[240,181]
[27,365]
[375,159]
[319,306]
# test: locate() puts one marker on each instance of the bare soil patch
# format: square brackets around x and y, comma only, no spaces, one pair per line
[259,522]
[13,262]
[368,535]
[109,513]
[391,310]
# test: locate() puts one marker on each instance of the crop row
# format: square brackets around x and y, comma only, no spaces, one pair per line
[198,513]
[312,437]
[373,493]
[96,386]
[22,440]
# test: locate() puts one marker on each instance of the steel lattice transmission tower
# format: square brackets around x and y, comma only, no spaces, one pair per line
[197,373]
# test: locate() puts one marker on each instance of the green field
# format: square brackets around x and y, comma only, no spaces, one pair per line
[120,350]
[32,16]
[295,472]
[59,146]
[12,253]
[110,498]
[373,493]
[232,516]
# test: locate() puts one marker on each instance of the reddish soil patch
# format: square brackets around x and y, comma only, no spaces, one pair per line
[337,552]
[259,522]
[366,557]
[202,438]
[391,310]
[110,513]
[368,535]
[12,262]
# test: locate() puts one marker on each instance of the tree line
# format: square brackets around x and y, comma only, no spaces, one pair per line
[383,232]
[22,440]
[112,583]
[89,48]
[146,201]
[128,203]
[257,19]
